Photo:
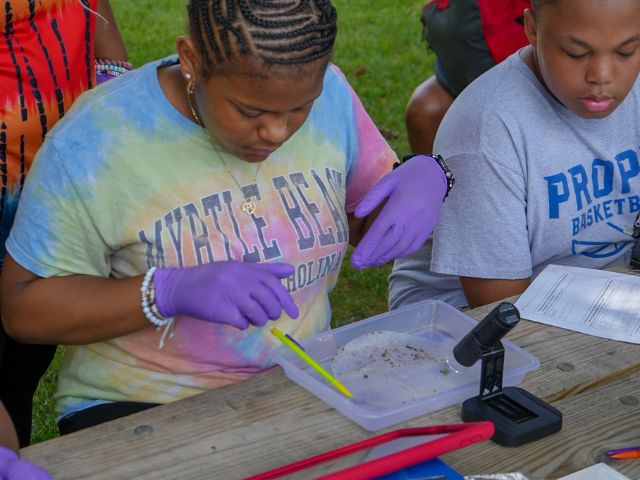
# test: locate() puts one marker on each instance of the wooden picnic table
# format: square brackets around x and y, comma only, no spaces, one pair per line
[268,421]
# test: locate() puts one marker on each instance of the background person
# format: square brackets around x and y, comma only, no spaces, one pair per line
[545,152]
[468,37]
[47,59]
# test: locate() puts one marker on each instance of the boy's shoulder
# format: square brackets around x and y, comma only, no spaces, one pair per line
[502,90]
[507,98]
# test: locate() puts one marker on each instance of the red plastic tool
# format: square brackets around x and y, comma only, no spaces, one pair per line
[458,436]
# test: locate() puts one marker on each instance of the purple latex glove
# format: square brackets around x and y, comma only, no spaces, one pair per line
[102,77]
[414,192]
[13,467]
[234,293]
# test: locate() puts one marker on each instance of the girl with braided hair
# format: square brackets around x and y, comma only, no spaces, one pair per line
[182,207]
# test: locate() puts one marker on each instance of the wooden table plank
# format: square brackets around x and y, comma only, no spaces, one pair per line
[268,421]
[188,443]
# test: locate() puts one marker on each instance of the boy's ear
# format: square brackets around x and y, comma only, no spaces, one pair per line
[189,57]
[530,28]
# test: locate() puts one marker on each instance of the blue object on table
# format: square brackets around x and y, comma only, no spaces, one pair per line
[431,468]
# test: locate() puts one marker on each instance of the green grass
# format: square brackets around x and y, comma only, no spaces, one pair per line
[379,48]
[44,406]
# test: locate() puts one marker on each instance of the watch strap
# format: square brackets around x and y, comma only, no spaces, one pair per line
[441,163]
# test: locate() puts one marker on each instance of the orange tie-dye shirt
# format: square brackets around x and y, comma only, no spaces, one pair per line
[46,62]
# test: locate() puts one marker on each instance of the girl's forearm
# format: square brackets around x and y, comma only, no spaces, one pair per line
[76,309]
[108,40]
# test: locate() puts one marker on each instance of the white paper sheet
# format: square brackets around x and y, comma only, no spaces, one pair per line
[599,471]
[595,302]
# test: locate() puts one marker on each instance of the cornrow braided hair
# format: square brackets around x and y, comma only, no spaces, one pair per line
[277,32]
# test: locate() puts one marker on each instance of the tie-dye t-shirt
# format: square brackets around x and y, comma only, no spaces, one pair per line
[125,182]
[46,62]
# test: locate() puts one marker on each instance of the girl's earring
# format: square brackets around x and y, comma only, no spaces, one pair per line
[190,86]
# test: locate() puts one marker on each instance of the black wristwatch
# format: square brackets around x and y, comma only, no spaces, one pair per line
[441,163]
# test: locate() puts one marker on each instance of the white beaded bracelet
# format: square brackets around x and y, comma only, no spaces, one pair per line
[149,307]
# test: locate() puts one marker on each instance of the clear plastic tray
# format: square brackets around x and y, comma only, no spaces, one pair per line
[431,382]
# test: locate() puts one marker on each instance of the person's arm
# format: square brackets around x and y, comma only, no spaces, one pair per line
[12,467]
[8,437]
[57,284]
[483,236]
[383,203]
[74,309]
[81,309]
[481,291]
[108,42]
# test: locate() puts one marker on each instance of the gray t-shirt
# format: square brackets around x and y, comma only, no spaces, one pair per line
[535,184]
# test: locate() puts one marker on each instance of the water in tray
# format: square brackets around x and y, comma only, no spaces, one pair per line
[388,369]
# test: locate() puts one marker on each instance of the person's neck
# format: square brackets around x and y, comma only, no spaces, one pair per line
[528,57]
[174,87]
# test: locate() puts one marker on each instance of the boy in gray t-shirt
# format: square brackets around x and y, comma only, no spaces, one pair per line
[544,148]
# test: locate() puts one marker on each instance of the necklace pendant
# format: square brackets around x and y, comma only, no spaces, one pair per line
[249,207]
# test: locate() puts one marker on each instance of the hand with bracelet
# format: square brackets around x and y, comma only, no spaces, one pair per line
[107,68]
[228,292]
[413,193]
[109,50]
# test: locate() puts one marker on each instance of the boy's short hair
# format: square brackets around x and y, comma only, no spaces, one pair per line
[541,3]
[536,5]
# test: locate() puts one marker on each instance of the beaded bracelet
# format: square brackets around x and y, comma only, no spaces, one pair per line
[115,63]
[149,308]
[113,68]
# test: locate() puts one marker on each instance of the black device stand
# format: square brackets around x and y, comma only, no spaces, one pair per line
[519,417]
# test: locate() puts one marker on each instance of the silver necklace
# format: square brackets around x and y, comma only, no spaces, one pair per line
[249,206]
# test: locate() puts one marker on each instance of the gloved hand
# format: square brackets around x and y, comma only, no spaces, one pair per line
[414,193]
[13,467]
[235,293]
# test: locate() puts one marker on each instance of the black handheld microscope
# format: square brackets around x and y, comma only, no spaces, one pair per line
[519,416]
